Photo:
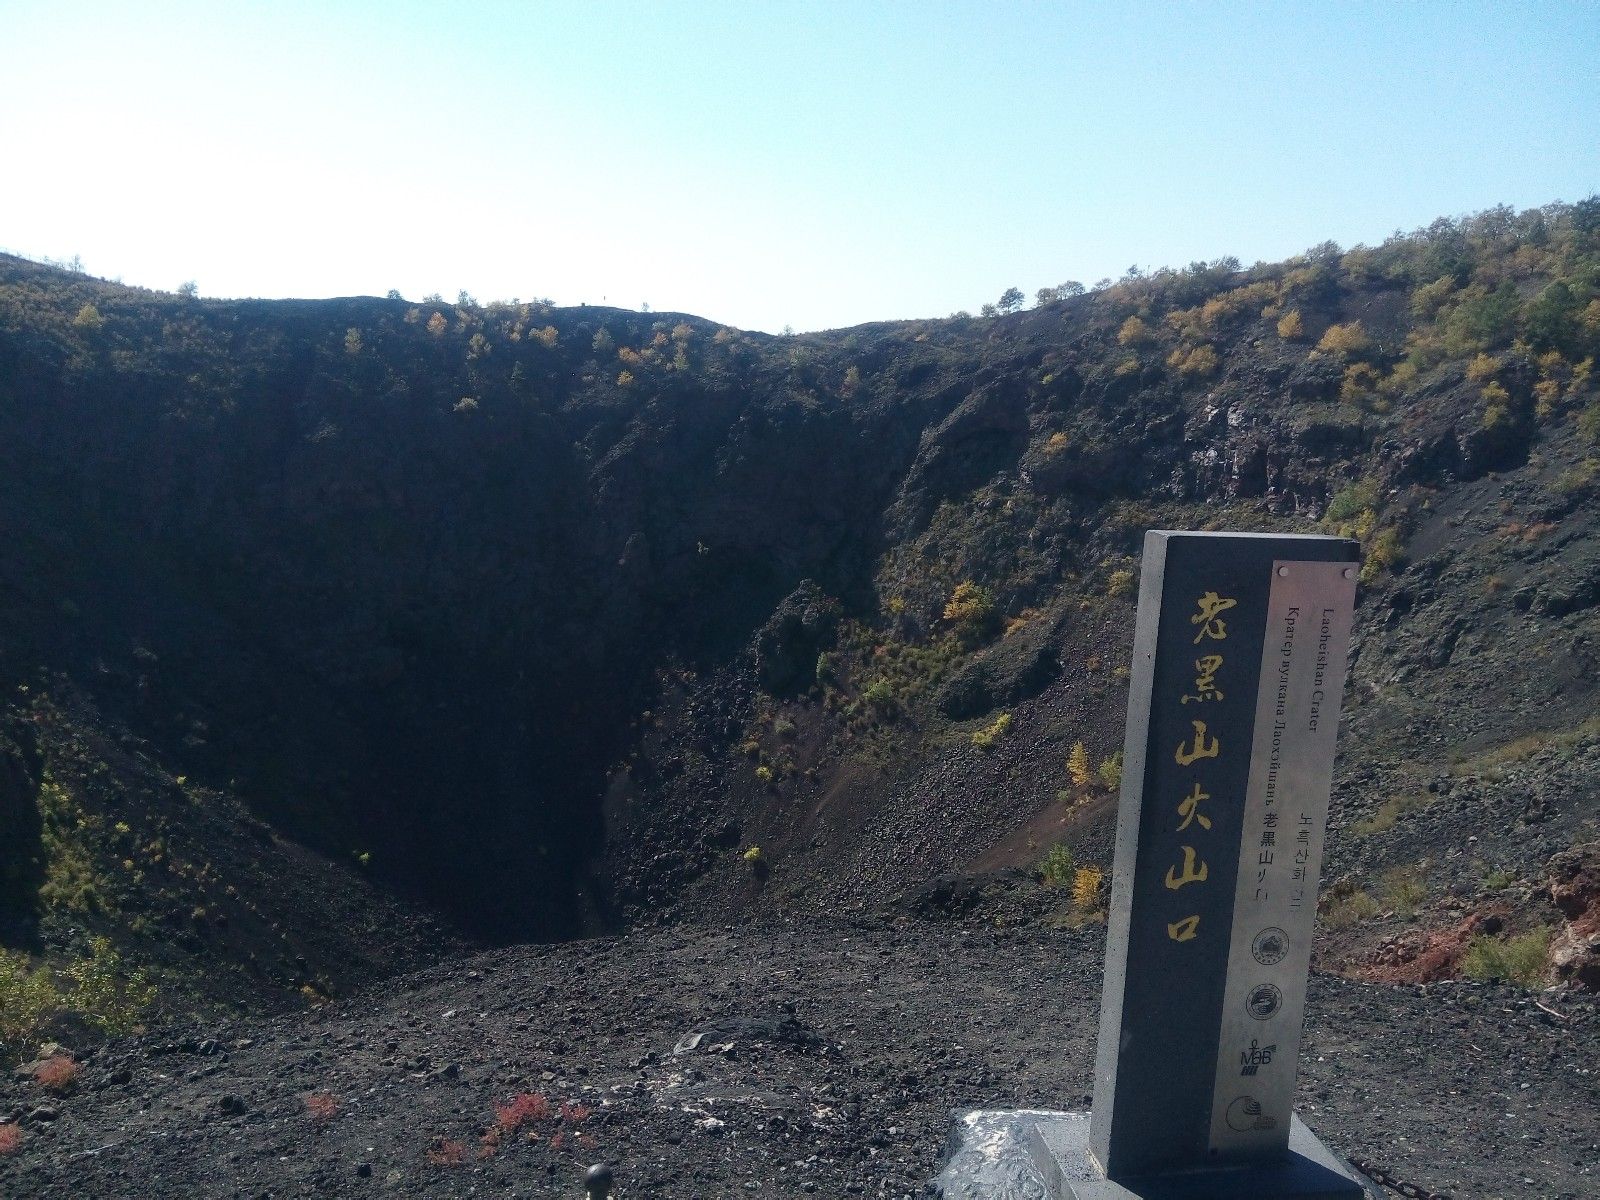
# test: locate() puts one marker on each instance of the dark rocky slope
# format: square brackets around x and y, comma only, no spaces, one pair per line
[316,618]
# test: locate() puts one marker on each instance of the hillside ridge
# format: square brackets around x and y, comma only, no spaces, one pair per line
[550,621]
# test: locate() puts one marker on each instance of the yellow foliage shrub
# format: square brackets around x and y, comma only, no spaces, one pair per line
[984,739]
[1290,326]
[1545,394]
[1429,298]
[1200,361]
[969,605]
[1360,379]
[1078,769]
[1400,380]
[1086,883]
[1344,339]
[1134,332]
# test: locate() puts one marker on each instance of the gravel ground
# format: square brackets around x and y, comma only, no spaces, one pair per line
[829,1058]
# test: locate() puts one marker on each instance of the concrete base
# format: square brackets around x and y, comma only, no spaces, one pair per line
[1027,1154]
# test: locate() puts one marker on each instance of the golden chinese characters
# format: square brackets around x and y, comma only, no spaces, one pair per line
[1212,626]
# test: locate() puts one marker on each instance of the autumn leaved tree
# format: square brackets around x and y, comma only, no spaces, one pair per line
[1078,765]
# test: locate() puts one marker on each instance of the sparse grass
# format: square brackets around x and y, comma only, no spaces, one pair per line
[1403,889]
[1340,911]
[1579,480]
[1523,748]
[1387,813]
[70,882]
[985,738]
[1498,880]
[10,1139]
[1520,958]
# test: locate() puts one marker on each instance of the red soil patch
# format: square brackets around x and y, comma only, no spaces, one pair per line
[1427,955]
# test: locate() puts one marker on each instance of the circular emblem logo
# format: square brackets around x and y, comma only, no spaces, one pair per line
[1263,1001]
[1245,1115]
[1270,946]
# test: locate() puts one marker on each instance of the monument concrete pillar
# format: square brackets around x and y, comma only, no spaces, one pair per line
[1239,656]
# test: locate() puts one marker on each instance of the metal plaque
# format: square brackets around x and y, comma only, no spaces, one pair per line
[1280,854]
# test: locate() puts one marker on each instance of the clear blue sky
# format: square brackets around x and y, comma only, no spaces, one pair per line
[813,164]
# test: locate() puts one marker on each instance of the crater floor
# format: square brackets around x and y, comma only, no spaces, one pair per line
[828,1059]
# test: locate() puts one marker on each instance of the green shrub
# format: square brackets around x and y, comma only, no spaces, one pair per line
[1057,866]
[880,694]
[27,996]
[1110,771]
[108,998]
[1520,959]
[1498,880]
[1589,422]
[1351,502]
[1382,554]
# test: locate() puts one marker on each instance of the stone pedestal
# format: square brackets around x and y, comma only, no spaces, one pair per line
[1035,1154]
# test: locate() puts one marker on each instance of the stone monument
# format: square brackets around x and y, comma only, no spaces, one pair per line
[1238,666]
